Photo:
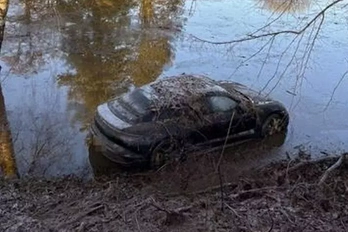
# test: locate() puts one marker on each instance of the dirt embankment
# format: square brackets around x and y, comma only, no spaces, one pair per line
[284,196]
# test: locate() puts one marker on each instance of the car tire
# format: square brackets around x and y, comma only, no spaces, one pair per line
[274,124]
[161,154]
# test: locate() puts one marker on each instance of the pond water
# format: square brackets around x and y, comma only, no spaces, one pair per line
[60,59]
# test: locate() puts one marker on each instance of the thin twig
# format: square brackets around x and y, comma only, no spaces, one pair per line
[136,220]
[81,215]
[334,91]
[226,139]
[343,225]
[272,220]
[307,162]
[332,168]
[252,36]
[220,159]
[172,211]
[210,189]
[232,210]
[233,196]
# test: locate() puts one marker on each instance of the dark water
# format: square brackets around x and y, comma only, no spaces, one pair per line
[60,60]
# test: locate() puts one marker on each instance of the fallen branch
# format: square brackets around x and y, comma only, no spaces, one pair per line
[308,162]
[206,190]
[81,215]
[257,190]
[172,211]
[332,168]
[232,210]
[172,215]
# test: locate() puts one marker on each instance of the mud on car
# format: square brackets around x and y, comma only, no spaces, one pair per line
[170,117]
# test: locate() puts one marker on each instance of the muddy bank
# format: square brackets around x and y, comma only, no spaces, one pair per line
[284,196]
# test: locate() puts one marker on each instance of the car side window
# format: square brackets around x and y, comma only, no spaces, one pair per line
[221,103]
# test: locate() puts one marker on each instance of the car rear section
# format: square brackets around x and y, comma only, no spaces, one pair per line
[127,129]
[108,138]
[112,123]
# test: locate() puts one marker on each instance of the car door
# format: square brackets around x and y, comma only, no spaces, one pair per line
[228,116]
[225,116]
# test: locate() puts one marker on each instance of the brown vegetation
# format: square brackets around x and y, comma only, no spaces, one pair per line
[284,196]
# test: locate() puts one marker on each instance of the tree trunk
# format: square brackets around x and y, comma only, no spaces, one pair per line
[3,13]
[7,158]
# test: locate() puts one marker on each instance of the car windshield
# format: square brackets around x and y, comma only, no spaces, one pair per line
[133,106]
[135,102]
[138,101]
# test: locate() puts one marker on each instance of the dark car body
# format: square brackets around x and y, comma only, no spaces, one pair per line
[178,114]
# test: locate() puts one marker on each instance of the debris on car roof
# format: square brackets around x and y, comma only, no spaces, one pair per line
[185,85]
[181,94]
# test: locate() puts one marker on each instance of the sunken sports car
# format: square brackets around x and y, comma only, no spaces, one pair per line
[170,117]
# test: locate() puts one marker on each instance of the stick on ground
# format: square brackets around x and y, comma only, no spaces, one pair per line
[332,168]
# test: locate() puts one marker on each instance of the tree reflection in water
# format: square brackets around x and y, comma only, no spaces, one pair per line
[282,6]
[96,48]
[111,47]
[7,158]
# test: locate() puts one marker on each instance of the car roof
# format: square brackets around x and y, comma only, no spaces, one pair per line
[184,86]
[180,92]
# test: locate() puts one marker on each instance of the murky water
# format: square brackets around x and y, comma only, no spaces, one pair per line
[61,59]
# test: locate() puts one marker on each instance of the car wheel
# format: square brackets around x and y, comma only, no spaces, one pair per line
[274,124]
[161,154]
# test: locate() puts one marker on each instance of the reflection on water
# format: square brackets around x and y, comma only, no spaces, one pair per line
[106,46]
[8,164]
[61,59]
[106,53]
[7,159]
[282,6]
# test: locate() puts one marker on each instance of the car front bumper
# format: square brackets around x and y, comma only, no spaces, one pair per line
[112,151]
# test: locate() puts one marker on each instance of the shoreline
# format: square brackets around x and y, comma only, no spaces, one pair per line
[281,196]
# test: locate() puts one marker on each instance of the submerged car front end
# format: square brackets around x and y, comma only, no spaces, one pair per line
[259,105]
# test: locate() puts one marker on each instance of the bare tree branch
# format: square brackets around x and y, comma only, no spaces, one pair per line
[332,168]
[255,36]
[335,89]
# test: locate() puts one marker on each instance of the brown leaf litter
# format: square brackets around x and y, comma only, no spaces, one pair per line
[283,196]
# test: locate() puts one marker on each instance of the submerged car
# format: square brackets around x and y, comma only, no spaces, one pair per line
[170,117]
